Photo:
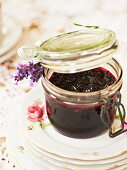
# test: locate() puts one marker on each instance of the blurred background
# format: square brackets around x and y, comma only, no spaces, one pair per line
[26,21]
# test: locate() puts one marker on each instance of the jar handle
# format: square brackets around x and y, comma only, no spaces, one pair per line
[30,52]
[105,114]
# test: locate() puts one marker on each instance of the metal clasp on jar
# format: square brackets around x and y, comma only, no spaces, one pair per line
[114,100]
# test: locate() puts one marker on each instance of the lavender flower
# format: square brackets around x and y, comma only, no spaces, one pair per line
[33,71]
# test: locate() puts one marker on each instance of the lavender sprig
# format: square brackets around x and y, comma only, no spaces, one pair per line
[30,70]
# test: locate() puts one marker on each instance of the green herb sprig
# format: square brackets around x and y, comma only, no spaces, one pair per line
[95,27]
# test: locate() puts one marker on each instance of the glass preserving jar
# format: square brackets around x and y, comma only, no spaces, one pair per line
[80,54]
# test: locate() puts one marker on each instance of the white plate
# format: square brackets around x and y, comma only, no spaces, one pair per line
[11,33]
[22,159]
[72,161]
[101,147]
[19,167]
[71,166]
[25,160]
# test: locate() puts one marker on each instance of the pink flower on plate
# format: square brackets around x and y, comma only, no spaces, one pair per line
[35,113]
[21,149]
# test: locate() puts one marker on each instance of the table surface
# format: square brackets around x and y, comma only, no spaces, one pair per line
[41,20]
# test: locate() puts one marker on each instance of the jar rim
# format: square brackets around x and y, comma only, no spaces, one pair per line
[103,93]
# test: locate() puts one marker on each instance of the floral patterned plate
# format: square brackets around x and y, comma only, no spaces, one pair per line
[123,167]
[19,154]
[48,139]
[52,157]
[39,156]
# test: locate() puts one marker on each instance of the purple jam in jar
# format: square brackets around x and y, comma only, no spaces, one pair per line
[74,120]
[86,81]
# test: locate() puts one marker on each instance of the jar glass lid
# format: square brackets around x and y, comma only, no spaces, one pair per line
[74,51]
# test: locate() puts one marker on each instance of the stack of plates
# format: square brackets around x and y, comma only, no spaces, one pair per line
[10,36]
[47,149]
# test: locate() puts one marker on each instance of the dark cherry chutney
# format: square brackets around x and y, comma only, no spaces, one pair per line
[74,120]
[86,81]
